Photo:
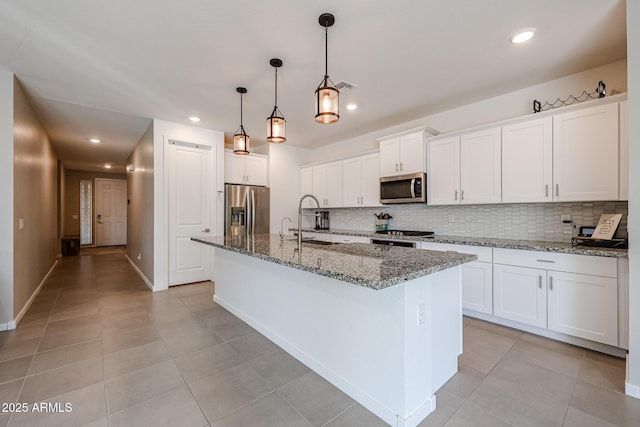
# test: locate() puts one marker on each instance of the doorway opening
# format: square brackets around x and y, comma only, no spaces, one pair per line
[86,216]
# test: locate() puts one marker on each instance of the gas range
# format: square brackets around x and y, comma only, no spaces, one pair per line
[409,233]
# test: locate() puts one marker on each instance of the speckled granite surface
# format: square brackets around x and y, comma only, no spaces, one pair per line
[565,248]
[371,266]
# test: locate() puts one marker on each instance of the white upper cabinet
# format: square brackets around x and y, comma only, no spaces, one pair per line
[403,154]
[327,184]
[527,154]
[465,169]
[585,154]
[248,170]
[306,186]
[480,168]
[361,181]
[443,177]
[624,151]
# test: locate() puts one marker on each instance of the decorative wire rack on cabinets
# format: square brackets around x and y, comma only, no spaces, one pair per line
[598,93]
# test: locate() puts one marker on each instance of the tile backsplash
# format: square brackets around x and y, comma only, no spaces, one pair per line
[532,221]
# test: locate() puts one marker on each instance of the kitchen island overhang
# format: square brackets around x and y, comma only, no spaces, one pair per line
[383,324]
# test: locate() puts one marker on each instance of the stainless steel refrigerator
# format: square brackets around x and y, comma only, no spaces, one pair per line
[246,210]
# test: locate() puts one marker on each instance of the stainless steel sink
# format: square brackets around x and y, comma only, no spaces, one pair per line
[319,242]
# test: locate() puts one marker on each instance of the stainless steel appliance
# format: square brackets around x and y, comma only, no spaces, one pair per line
[322,220]
[246,210]
[410,188]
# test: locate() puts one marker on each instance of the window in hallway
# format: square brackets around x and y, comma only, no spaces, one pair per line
[86,197]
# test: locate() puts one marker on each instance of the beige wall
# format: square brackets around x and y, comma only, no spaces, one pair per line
[35,200]
[6,198]
[140,239]
[71,225]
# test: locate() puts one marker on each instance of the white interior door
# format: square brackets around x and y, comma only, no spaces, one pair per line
[111,212]
[190,211]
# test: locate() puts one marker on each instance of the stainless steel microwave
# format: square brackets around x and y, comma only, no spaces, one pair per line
[404,189]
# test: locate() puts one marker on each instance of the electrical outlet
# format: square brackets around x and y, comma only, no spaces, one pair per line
[451,218]
[421,313]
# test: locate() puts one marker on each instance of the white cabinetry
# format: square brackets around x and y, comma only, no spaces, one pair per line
[571,294]
[361,181]
[585,154]
[624,151]
[402,154]
[327,184]
[465,169]
[306,186]
[248,170]
[527,155]
[477,276]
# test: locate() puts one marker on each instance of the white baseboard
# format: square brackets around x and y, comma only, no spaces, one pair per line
[632,390]
[12,325]
[140,273]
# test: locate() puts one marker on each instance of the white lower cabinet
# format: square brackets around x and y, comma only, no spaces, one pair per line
[477,276]
[520,294]
[583,306]
[552,291]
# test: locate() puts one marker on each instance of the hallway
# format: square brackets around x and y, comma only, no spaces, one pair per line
[111,353]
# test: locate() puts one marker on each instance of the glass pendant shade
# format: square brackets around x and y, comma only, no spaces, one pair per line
[327,103]
[240,138]
[276,124]
[276,127]
[241,143]
[327,96]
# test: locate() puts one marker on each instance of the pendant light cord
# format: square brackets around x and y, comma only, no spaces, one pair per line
[276,97]
[326,53]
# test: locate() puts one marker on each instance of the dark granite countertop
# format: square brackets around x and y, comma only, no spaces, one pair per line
[372,266]
[531,245]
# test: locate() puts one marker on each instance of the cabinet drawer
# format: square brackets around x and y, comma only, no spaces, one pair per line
[583,264]
[341,238]
[483,253]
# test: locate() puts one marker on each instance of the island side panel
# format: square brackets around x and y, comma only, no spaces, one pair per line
[353,336]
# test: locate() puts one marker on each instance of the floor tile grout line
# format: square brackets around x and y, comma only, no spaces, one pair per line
[342,412]
[291,405]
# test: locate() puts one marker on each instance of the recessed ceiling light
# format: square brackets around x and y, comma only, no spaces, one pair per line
[194,119]
[95,140]
[352,106]
[107,166]
[522,37]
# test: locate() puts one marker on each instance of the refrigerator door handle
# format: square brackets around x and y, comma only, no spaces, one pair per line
[253,211]
[247,220]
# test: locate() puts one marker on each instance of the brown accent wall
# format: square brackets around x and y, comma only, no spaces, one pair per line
[72,178]
[35,201]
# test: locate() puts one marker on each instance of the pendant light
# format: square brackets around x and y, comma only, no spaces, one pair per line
[241,139]
[327,109]
[276,124]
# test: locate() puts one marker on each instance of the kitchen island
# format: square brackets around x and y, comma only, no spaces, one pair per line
[383,324]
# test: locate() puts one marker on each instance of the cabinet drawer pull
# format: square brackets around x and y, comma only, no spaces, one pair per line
[550,283]
[546,260]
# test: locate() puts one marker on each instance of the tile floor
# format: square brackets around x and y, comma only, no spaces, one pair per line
[96,338]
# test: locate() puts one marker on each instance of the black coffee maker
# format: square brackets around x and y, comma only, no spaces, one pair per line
[322,220]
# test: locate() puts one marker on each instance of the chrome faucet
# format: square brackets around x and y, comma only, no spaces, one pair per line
[300,215]
[281,226]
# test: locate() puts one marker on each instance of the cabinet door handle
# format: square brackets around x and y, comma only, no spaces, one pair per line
[546,190]
[539,282]
[550,283]
[455,195]
[461,195]
[557,190]
[401,166]
[546,260]
[396,167]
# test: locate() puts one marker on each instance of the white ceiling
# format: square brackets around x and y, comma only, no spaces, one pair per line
[105,68]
